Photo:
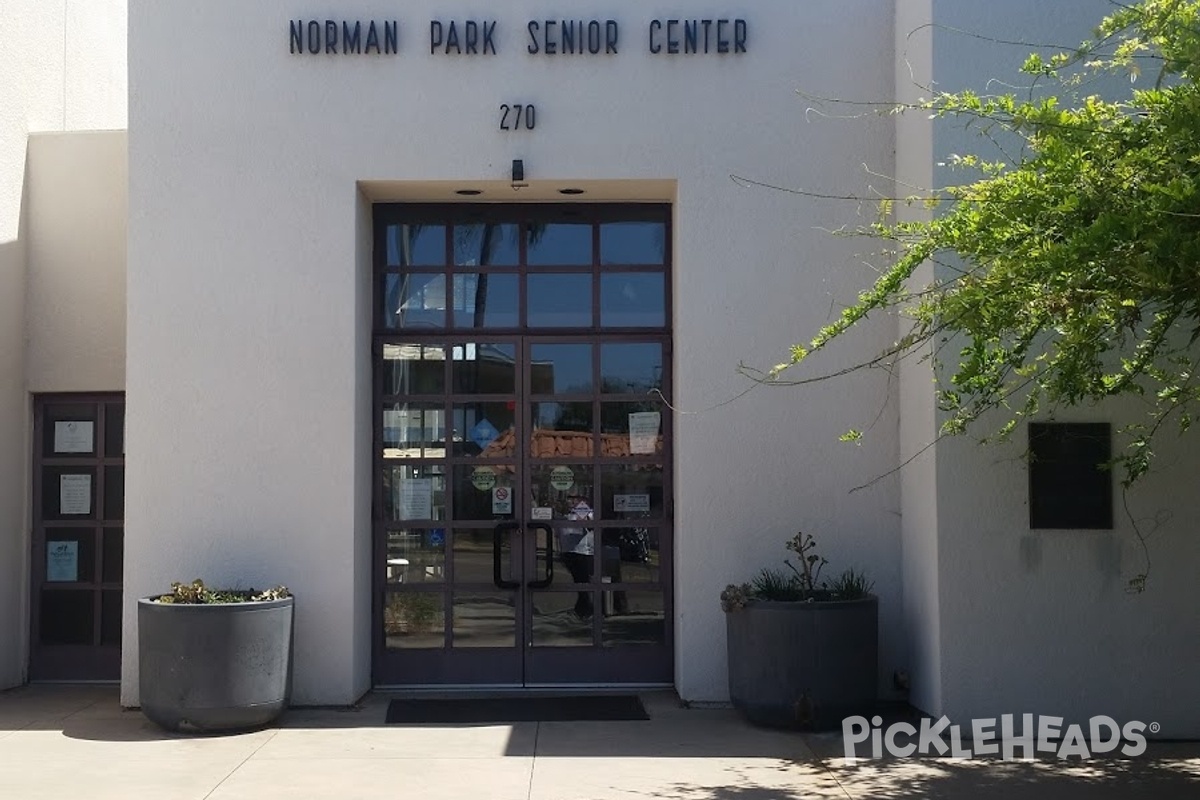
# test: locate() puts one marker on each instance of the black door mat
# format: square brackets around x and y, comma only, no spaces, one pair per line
[563,708]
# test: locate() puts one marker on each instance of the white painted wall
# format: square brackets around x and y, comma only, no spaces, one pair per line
[63,68]
[1039,621]
[75,298]
[246,246]
[918,408]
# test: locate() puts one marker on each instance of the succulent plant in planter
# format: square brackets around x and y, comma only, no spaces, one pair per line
[803,653]
[214,660]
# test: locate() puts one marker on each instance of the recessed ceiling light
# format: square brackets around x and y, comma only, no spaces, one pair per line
[468,192]
[570,191]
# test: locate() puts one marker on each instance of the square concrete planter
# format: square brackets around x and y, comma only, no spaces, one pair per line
[803,664]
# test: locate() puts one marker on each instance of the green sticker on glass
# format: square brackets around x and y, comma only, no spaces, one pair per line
[483,478]
[562,478]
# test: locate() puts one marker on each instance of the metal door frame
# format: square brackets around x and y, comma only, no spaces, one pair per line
[75,662]
[522,665]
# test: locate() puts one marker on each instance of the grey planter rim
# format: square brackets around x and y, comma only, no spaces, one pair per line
[806,605]
[197,608]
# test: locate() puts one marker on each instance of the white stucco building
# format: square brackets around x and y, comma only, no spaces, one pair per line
[324,295]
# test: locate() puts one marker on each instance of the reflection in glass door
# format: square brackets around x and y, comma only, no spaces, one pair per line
[523,520]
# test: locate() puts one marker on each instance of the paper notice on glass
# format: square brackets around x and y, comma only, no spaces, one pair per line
[74,494]
[415,499]
[631,503]
[73,436]
[62,562]
[643,432]
[501,500]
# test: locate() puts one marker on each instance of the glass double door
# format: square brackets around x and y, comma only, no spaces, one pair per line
[523,511]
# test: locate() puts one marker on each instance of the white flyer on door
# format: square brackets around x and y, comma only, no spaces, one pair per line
[73,436]
[643,432]
[416,498]
[74,494]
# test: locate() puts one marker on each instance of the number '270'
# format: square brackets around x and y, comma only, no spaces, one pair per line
[517,117]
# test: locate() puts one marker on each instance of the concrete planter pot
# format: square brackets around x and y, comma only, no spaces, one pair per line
[215,668]
[803,665]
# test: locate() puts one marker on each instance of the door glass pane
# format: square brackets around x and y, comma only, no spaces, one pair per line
[414,300]
[633,300]
[632,553]
[559,301]
[67,616]
[562,491]
[414,493]
[69,430]
[562,619]
[474,556]
[485,430]
[414,369]
[562,430]
[559,244]
[633,242]
[110,617]
[485,492]
[631,368]
[415,245]
[640,483]
[70,556]
[114,493]
[484,368]
[633,618]
[484,620]
[633,428]
[112,566]
[68,493]
[414,621]
[414,430]
[560,368]
[486,301]
[416,555]
[114,430]
[486,245]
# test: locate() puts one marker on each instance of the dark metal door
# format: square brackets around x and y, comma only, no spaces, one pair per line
[78,537]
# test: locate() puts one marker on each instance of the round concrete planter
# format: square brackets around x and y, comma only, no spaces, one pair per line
[803,665]
[214,668]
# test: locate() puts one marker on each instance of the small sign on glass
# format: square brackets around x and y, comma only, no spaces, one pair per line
[74,494]
[73,436]
[62,562]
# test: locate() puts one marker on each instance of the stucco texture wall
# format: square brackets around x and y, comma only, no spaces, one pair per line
[63,67]
[245,337]
[1041,621]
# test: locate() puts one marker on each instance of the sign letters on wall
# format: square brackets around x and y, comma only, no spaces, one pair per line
[538,37]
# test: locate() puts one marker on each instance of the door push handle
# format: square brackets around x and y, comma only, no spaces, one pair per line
[549,574]
[497,572]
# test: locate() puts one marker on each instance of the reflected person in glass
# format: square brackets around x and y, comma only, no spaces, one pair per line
[577,543]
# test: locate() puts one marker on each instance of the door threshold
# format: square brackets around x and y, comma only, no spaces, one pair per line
[543,690]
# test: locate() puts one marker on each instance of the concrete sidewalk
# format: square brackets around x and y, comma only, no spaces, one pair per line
[71,742]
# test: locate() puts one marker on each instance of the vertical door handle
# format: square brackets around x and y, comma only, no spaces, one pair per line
[497,541]
[549,574]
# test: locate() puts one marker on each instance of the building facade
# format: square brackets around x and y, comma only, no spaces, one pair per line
[436,316]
